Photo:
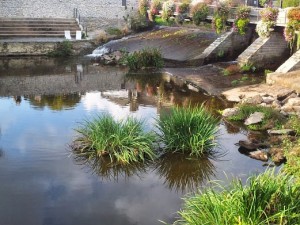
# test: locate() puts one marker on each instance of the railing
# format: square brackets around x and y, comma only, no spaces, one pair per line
[254,15]
[77,16]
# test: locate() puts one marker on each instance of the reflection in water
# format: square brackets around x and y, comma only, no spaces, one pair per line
[1,152]
[109,171]
[182,173]
[18,100]
[55,102]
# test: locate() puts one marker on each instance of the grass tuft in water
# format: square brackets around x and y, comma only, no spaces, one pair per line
[265,199]
[188,130]
[123,141]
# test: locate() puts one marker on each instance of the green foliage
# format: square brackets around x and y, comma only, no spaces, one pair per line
[139,23]
[268,71]
[189,130]
[241,25]
[168,9]
[265,199]
[123,141]
[247,68]
[113,31]
[263,2]
[289,3]
[292,153]
[271,116]
[160,21]
[148,57]
[143,5]
[220,18]
[199,13]
[63,49]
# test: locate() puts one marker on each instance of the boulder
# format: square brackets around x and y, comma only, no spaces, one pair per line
[254,118]
[259,155]
[293,95]
[268,99]
[255,100]
[277,155]
[284,94]
[230,112]
[251,146]
[282,132]
[276,104]
[293,102]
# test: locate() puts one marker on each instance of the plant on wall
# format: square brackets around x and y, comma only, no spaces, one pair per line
[143,4]
[199,12]
[268,21]
[155,6]
[242,19]
[220,18]
[263,3]
[291,31]
[168,8]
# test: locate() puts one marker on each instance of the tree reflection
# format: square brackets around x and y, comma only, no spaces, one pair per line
[182,173]
[1,152]
[55,102]
[107,170]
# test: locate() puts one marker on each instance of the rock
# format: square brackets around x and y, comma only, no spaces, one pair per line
[263,104]
[230,112]
[277,155]
[251,146]
[276,104]
[259,155]
[95,64]
[254,118]
[284,94]
[293,95]
[293,102]
[281,132]
[268,100]
[107,58]
[257,99]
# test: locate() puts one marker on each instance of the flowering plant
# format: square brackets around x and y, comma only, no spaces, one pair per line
[264,28]
[220,18]
[168,8]
[269,14]
[242,19]
[292,26]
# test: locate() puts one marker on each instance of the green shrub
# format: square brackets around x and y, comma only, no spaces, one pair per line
[123,141]
[288,3]
[63,49]
[143,5]
[242,19]
[168,9]
[188,130]
[265,199]
[114,31]
[220,18]
[199,13]
[139,23]
[148,57]
[271,116]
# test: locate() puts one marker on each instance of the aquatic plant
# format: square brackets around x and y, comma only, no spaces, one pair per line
[267,198]
[63,49]
[189,130]
[271,116]
[122,141]
[199,13]
[145,58]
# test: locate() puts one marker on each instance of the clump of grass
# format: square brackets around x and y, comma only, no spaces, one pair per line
[272,117]
[148,57]
[188,130]
[114,31]
[123,141]
[63,49]
[265,199]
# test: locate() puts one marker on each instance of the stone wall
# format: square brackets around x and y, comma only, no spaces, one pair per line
[266,52]
[108,9]
[293,63]
[40,48]
[229,45]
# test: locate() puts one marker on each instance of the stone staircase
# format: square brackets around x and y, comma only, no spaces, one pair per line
[36,27]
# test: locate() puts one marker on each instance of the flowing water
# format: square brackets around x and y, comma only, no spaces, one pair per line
[42,182]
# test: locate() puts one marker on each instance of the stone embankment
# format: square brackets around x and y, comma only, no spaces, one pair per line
[293,63]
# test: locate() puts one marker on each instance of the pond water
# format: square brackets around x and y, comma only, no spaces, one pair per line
[42,182]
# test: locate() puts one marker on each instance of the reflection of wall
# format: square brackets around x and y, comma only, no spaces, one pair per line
[90,78]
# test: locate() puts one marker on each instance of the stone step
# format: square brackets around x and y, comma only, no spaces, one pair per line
[3,36]
[35,32]
[44,28]
[32,24]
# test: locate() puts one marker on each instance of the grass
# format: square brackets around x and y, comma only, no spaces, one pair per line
[271,119]
[188,130]
[123,142]
[265,199]
[114,31]
[148,57]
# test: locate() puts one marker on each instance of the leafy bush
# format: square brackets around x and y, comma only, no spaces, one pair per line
[269,14]
[182,8]
[63,49]
[263,2]
[263,29]
[289,3]
[199,13]
[220,18]
[242,19]
[188,130]
[123,142]
[114,31]
[139,23]
[148,57]
[265,199]
[292,26]
[168,9]
[143,5]
[155,6]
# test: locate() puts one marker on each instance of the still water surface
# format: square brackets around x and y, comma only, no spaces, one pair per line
[43,183]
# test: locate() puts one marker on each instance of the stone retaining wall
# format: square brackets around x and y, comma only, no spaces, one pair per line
[266,52]
[109,9]
[293,63]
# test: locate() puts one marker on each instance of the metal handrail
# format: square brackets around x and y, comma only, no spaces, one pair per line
[76,15]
